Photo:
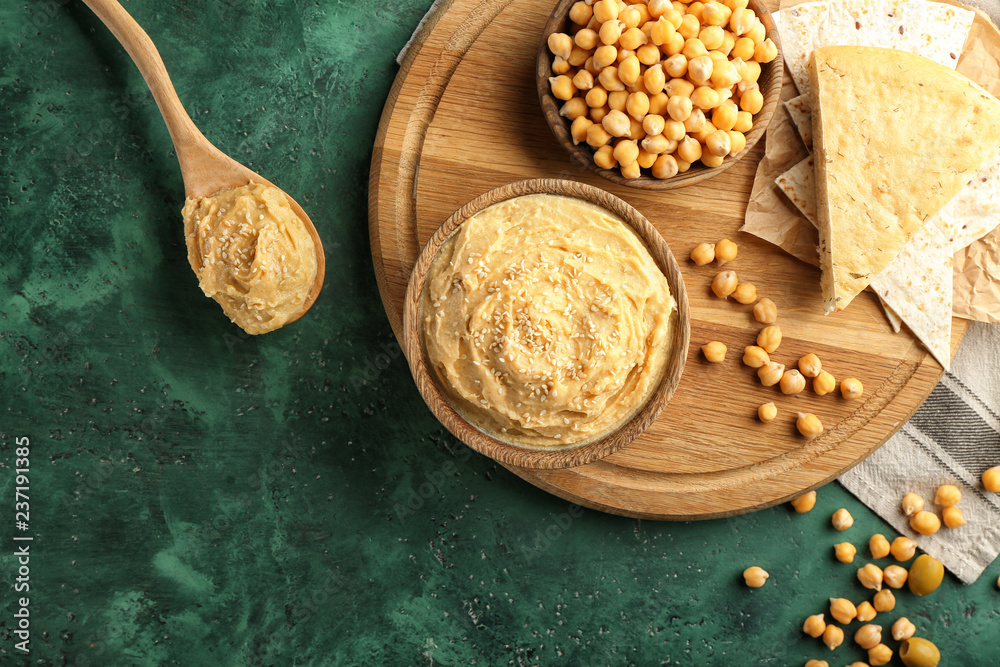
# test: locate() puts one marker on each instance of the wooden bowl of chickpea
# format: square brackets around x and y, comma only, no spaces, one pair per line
[651,98]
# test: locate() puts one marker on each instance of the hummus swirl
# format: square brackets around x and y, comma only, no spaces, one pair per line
[252,254]
[546,321]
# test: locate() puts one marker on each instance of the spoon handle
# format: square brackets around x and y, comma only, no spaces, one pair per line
[196,154]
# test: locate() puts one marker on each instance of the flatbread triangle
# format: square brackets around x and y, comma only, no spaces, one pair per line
[895,136]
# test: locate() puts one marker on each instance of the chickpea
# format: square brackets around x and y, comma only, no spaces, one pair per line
[725,75]
[752,101]
[918,652]
[925,523]
[724,282]
[583,80]
[649,55]
[580,128]
[866,611]
[878,546]
[654,79]
[859,664]
[903,549]
[843,610]
[765,312]
[884,600]
[744,122]
[833,636]
[805,502]
[879,655]
[902,629]
[694,48]
[646,159]
[912,503]
[809,426]
[718,143]
[842,519]
[712,36]
[926,574]
[844,552]
[662,32]
[769,338]
[630,170]
[633,38]
[637,105]
[746,293]
[767,412]
[824,383]
[596,97]
[868,636]
[755,357]
[694,124]
[679,108]
[690,26]
[609,79]
[724,118]
[562,87]
[611,31]
[658,144]
[894,576]
[814,625]
[604,157]
[673,130]
[700,69]
[770,373]
[851,389]
[810,365]
[953,517]
[604,56]
[653,125]
[792,382]
[817,663]
[757,33]
[605,10]
[765,52]
[947,495]
[574,108]
[665,166]
[715,352]
[870,576]
[991,479]
[626,151]
[597,136]
[629,70]
[755,576]
[741,21]
[580,13]
[738,141]
[616,123]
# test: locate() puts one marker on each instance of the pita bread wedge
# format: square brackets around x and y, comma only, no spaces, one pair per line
[896,136]
[799,185]
[801,115]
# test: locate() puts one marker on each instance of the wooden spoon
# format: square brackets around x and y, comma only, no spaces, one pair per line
[205,168]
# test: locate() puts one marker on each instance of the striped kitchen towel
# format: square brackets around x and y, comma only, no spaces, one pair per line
[951,439]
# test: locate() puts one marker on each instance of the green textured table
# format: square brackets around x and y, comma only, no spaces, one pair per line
[201,497]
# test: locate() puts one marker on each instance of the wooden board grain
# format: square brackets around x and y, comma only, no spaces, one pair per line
[463,118]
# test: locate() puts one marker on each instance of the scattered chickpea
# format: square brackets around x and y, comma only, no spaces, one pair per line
[767,412]
[870,577]
[879,655]
[953,517]
[868,636]
[724,283]
[810,427]
[925,523]
[725,251]
[814,625]
[770,373]
[769,338]
[851,389]
[866,612]
[833,637]
[746,293]
[754,356]
[903,629]
[845,552]
[703,254]
[755,576]
[810,365]
[894,576]
[884,600]
[792,382]
[805,502]
[947,495]
[859,664]
[715,352]
[912,503]
[842,519]
[991,479]
[765,312]
[843,610]
[903,549]
[878,545]
[817,663]
[824,383]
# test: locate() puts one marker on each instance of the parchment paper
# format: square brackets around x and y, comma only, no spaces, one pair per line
[772,217]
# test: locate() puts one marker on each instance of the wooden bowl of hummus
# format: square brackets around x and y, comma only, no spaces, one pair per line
[546,324]
[768,83]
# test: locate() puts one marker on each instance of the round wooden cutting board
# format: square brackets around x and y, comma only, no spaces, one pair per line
[463,118]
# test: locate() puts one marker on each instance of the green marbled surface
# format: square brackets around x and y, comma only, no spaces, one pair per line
[201,497]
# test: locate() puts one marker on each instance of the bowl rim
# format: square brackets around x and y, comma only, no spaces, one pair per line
[572,455]
[583,155]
